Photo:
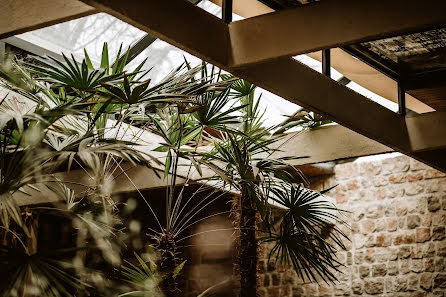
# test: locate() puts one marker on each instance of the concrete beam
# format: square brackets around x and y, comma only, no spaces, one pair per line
[19,16]
[186,26]
[135,178]
[427,131]
[328,143]
[328,24]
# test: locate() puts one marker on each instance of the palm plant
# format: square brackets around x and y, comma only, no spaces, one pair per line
[80,116]
[245,159]
[69,122]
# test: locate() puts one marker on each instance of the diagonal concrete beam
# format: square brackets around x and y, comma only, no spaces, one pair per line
[19,16]
[329,24]
[186,26]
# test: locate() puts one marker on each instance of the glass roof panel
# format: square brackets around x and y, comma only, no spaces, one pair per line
[89,32]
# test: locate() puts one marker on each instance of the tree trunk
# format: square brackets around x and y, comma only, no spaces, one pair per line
[168,263]
[248,247]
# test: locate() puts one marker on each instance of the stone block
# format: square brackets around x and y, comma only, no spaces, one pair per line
[267,280]
[417,165]
[359,257]
[275,291]
[392,254]
[370,255]
[413,221]
[438,233]
[379,270]
[346,170]
[342,289]
[414,188]
[367,226]
[289,277]
[440,264]
[357,287]
[380,225]
[416,252]
[404,266]
[440,280]
[412,282]
[311,290]
[429,265]
[400,284]
[364,271]
[441,249]
[374,286]
[397,178]
[404,238]
[416,265]
[426,220]
[438,219]
[401,164]
[415,176]
[298,292]
[374,211]
[391,224]
[275,278]
[349,258]
[404,252]
[392,268]
[433,173]
[423,234]
[433,203]
[426,281]
[383,240]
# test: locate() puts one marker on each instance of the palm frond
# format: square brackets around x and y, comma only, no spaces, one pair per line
[38,274]
[299,232]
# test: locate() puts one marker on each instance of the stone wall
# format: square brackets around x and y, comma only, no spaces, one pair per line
[398,245]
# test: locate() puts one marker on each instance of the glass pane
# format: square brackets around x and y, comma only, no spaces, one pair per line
[89,32]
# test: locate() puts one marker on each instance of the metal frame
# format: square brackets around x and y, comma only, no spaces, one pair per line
[326,63]
[227,11]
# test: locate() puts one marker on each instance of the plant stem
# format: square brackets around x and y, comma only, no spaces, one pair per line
[248,246]
[167,265]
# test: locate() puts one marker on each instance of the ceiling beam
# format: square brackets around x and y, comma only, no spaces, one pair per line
[427,131]
[186,26]
[328,24]
[327,143]
[300,84]
[19,16]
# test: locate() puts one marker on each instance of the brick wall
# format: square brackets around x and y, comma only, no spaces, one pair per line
[398,245]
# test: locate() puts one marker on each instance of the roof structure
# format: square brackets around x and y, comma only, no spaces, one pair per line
[260,49]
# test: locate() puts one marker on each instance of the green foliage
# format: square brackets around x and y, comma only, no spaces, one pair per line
[303,119]
[142,276]
[38,274]
[305,232]
[72,113]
